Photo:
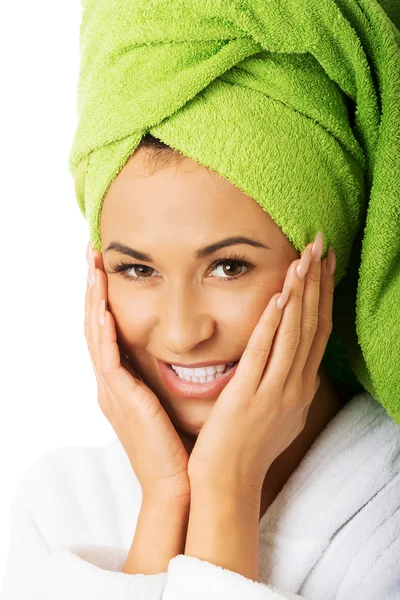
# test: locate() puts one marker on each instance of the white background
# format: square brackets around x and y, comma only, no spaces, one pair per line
[48,393]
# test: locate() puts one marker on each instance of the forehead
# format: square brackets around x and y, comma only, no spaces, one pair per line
[184,196]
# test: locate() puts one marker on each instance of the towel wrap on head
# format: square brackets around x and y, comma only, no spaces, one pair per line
[295,102]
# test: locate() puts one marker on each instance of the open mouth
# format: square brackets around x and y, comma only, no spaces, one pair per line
[204,375]
[192,385]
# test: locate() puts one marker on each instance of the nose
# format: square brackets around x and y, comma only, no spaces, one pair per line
[184,321]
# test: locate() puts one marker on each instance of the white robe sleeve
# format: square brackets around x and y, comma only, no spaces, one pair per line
[190,577]
[87,574]
[36,572]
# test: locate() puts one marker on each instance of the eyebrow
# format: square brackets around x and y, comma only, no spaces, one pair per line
[201,253]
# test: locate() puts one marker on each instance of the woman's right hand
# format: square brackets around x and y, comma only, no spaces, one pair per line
[154,448]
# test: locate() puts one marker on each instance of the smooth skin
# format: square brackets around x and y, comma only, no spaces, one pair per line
[186,314]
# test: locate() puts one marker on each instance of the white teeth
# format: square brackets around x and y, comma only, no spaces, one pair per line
[201,371]
[201,374]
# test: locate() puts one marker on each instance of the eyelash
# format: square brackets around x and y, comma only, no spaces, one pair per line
[122,267]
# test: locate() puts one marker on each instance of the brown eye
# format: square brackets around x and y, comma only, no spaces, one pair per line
[229,270]
[140,270]
[134,271]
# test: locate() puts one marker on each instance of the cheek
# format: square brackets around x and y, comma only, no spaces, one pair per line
[132,317]
[243,310]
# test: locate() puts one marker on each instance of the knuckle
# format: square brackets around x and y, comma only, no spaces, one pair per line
[290,399]
[326,325]
[291,338]
[310,324]
[292,394]
[270,324]
[260,352]
[297,292]
[314,275]
[106,373]
[329,286]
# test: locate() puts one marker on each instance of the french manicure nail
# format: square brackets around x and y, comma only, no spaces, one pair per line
[91,273]
[283,298]
[88,251]
[318,247]
[303,265]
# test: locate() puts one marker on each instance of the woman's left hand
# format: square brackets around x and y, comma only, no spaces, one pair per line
[264,407]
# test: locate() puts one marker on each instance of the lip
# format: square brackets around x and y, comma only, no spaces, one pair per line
[188,389]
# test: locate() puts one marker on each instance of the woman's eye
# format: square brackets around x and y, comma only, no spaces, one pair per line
[230,268]
[139,271]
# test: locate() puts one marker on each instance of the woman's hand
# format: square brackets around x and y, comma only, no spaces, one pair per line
[154,448]
[264,407]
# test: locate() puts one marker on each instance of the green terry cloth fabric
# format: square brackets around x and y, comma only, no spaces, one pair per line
[295,102]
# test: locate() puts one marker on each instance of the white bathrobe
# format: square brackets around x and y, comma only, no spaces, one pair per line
[333,532]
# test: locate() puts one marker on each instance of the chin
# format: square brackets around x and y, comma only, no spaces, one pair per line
[189,415]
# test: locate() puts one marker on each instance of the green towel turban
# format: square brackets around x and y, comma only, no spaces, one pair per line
[295,102]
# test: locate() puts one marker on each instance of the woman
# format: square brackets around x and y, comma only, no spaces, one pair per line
[272,479]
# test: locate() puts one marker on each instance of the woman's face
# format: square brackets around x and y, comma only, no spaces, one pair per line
[179,308]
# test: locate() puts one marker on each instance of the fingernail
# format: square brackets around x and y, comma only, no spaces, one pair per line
[283,298]
[331,262]
[91,273]
[303,265]
[89,251]
[318,247]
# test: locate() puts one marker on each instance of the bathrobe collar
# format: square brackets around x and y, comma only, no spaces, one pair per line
[355,456]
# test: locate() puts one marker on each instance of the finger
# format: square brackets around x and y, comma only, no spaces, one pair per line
[252,363]
[288,336]
[105,400]
[95,294]
[325,324]
[123,389]
[121,366]
[309,320]
[108,350]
